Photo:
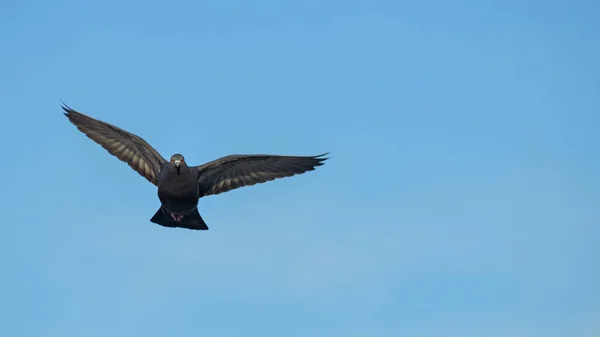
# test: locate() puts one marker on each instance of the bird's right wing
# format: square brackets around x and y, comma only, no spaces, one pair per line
[127,147]
[236,171]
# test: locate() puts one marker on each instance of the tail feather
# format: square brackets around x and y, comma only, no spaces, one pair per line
[190,221]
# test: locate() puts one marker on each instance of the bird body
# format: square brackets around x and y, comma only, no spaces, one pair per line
[178,191]
[178,194]
[179,186]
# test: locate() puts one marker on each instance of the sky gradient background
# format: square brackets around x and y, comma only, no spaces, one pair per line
[461,198]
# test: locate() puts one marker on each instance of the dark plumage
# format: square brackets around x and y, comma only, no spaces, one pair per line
[179,185]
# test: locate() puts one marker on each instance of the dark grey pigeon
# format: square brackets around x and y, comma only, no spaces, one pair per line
[179,185]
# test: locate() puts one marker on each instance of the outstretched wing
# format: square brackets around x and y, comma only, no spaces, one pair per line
[236,171]
[126,146]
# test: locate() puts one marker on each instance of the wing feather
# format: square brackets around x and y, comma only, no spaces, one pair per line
[126,146]
[237,171]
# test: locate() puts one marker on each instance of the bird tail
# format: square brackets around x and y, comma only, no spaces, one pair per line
[190,221]
[194,221]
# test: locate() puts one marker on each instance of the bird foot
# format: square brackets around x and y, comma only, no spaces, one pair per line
[176,217]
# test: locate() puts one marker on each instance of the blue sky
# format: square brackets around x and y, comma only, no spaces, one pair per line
[461,198]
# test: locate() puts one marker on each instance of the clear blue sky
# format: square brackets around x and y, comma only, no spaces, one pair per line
[462,197]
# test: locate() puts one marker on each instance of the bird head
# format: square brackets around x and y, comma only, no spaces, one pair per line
[177,159]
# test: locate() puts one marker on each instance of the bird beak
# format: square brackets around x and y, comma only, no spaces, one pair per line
[177,165]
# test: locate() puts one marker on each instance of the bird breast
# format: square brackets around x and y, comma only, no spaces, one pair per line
[178,189]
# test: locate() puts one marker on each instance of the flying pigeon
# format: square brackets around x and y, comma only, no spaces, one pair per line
[181,186]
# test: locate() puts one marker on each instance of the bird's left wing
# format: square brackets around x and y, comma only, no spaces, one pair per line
[236,171]
[127,147]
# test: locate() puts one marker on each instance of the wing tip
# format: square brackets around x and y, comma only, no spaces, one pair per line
[321,158]
[67,109]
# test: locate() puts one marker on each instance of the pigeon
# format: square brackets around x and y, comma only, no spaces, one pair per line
[179,185]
